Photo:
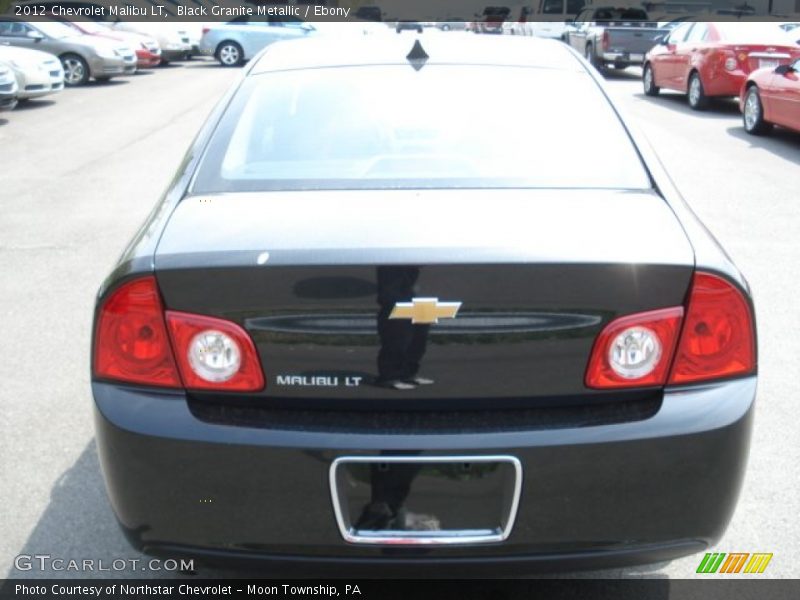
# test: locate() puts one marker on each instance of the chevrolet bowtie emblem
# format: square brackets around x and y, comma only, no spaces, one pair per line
[424,311]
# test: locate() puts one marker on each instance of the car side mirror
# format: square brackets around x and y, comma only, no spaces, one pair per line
[783,69]
[569,21]
[35,36]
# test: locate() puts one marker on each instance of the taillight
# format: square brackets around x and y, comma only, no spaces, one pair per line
[135,339]
[605,40]
[635,350]
[131,341]
[718,337]
[214,354]
[206,30]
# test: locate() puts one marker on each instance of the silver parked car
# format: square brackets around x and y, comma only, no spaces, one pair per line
[239,40]
[38,73]
[82,56]
[8,87]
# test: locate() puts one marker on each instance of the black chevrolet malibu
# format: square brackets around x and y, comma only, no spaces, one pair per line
[420,305]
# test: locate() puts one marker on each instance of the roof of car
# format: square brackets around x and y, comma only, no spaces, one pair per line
[385,49]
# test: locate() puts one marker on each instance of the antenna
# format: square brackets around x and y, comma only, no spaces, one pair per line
[417,57]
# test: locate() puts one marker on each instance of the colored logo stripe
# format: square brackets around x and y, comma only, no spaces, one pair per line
[734,562]
[713,562]
[758,562]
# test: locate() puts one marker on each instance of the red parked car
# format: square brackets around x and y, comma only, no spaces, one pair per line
[148,52]
[771,96]
[714,59]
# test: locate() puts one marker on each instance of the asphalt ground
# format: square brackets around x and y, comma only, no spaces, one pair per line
[80,171]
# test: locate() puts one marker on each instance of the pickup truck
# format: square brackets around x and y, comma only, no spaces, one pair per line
[608,36]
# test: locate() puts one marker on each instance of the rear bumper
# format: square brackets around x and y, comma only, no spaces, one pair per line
[172,54]
[112,67]
[724,83]
[624,58]
[592,496]
[146,59]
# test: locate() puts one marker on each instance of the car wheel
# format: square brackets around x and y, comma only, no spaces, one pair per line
[592,58]
[697,94]
[230,54]
[649,81]
[76,71]
[753,113]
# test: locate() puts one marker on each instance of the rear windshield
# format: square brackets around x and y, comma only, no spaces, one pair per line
[441,126]
[620,14]
[753,33]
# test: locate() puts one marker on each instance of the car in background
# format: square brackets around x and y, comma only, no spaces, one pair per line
[713,59]
[551,19]
[792,31]
[8,87]
[609,36]
[237,41]
[452,24]
[38,73]
[148,52]
[82,56]
[771,96]
[491,20]
[369,13]
[408,26]
[174,44]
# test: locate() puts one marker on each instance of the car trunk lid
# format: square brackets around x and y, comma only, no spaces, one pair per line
[314,276]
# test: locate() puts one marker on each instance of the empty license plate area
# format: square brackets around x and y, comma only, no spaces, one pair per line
[417,500]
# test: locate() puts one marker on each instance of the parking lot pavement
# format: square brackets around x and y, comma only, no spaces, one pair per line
[81,171]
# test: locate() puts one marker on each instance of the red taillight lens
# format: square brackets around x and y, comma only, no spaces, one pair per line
[718,338]
[206,30]
[605,41]
[635,350]
[131,341]
[214,354]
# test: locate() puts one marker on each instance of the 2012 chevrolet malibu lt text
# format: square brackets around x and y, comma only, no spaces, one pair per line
[391,315]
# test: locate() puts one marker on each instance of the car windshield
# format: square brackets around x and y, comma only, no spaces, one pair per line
[441,126]
[753,33]
[56,30]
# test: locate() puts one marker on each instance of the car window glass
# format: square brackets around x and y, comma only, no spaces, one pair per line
[752,33]
[334,128]
[679,33]
[574,6]
[698,33]
[14,29]
[553,7]
[620,14]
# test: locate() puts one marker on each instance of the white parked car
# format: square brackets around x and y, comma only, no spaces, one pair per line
[37,73]
[8,87]
[175,43]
